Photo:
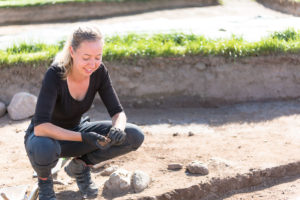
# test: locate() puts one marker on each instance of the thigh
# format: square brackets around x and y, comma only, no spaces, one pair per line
[76,149]
[42,150]
[100,127]
[135,138]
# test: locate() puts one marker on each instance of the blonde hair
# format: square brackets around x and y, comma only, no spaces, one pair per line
[80,34]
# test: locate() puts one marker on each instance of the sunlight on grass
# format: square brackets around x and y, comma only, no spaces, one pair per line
[164,45]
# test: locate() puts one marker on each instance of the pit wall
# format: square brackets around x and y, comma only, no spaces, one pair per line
[182,81]
[88,10]
[285,6]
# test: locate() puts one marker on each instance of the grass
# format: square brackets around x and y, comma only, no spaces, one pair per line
[24,3]
[164,45]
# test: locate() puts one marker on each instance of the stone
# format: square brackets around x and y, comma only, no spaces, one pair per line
[108,171]
[196,167]
[175,166]
[119,182]
[2,109]
[216,162]
[190,133]
[22,106]
[200,66]
[175,134]
[140,181]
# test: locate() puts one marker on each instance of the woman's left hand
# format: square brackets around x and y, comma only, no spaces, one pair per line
[117,136]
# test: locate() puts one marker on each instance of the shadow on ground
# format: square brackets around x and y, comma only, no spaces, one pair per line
[252,112]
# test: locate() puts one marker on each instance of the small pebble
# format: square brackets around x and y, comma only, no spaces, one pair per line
[191,133]
[108,171]
[175,166]
[175,134]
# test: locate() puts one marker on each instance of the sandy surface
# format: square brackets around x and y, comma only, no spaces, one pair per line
[240,17]
[246,136]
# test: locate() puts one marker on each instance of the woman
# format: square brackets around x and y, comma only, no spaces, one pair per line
[58,129]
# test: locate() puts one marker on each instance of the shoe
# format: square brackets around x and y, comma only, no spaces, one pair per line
[82,173]
[46,191]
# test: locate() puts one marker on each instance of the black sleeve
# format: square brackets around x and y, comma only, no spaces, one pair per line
[47,98]
[108,93]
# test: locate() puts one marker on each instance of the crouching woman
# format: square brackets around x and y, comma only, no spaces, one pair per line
[58,129]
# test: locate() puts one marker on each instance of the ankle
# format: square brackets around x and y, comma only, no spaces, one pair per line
[86,160]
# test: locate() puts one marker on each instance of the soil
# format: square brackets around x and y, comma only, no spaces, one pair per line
[287,6]
[252,149]
[234,141]
[203,80]
[71,11]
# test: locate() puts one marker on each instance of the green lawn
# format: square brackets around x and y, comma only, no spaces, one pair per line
[133,46]
[22,3]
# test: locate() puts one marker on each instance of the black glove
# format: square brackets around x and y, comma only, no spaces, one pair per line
[91,138]
[117,136]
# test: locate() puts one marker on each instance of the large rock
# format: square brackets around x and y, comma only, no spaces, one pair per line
[119,182]
[2,109]
[22,106]
[196,167]
[140,180]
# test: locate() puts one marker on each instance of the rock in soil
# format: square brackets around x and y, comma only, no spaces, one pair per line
[140,181]
[119,182]
[2,109]
[197,167]
[175,166]
[108,171]
[22,106]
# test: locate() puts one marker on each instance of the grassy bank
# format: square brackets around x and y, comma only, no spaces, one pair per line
[164,45]
[24,3]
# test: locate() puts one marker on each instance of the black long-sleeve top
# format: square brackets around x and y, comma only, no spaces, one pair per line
[56,105]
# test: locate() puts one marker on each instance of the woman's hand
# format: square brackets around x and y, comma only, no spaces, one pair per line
[116,135]
[92,138]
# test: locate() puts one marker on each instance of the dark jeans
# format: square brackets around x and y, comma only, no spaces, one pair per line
[44,152]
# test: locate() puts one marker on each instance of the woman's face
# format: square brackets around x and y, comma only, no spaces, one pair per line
[87,57]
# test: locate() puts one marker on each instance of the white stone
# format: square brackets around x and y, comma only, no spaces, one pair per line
[140,180]
[108,171]
[22,106]
[2,109]
[196,167]
[119,182]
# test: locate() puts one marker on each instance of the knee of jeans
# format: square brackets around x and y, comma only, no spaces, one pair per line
[45,151]
[135,136]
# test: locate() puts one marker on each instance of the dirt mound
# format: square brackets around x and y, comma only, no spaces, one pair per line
[285,6]
[180,81]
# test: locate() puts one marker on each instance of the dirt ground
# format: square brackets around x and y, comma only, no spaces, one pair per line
[243,136]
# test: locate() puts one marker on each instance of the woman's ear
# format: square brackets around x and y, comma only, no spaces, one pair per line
[71,51]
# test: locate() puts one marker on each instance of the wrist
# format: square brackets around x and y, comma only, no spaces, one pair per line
[117,128]
[80,136]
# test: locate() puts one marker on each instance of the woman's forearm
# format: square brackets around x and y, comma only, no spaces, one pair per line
[55,132]
[119,120]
